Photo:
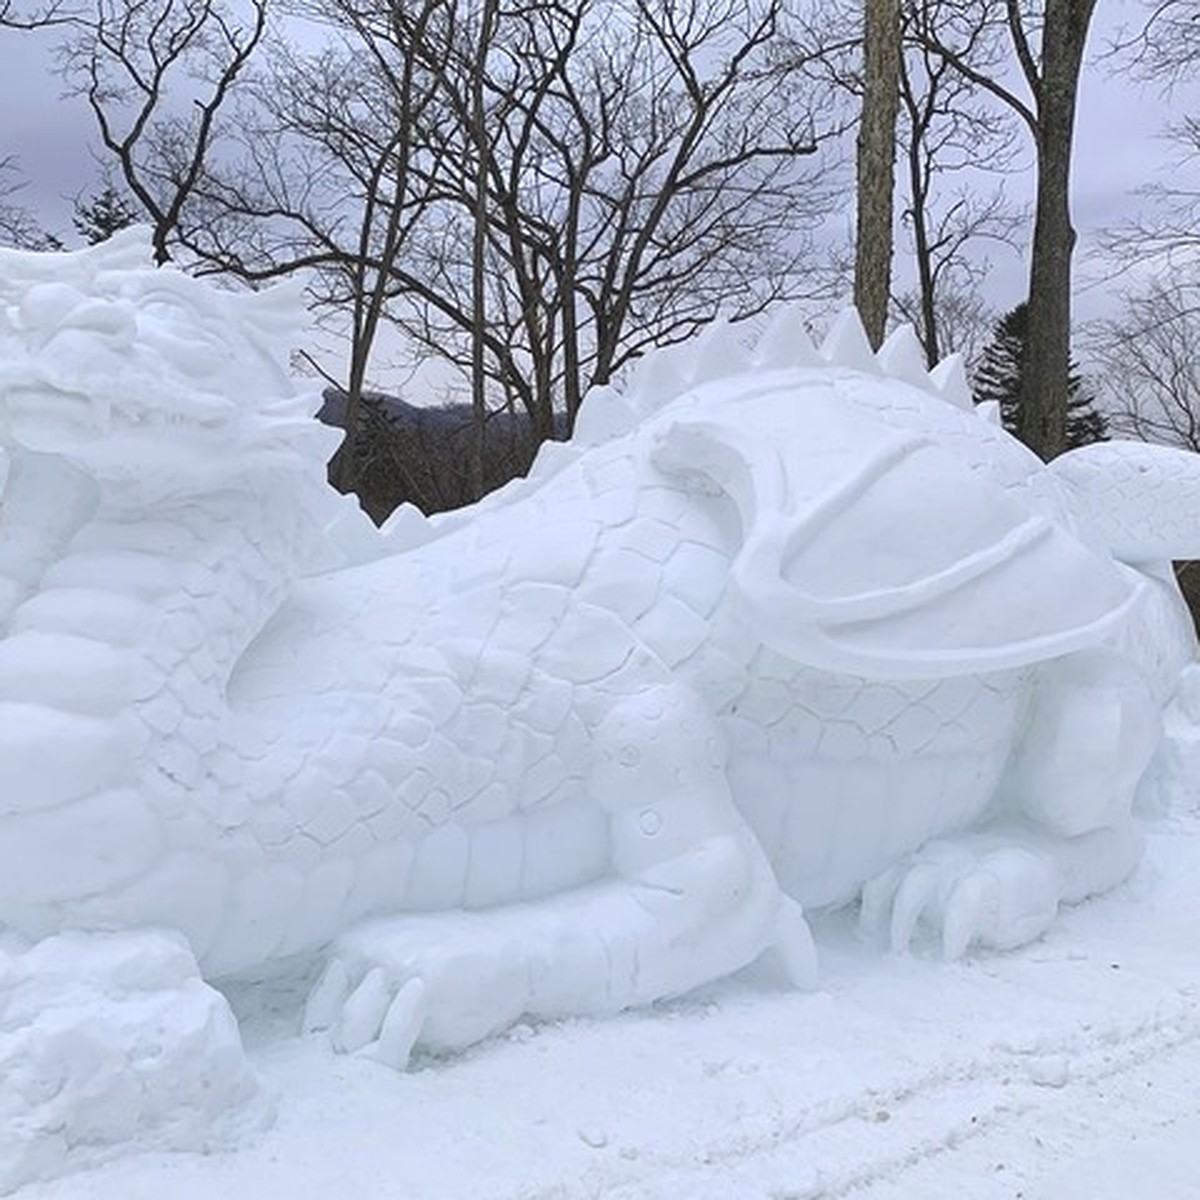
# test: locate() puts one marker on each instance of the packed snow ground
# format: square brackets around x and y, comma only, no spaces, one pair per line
[1065,1070]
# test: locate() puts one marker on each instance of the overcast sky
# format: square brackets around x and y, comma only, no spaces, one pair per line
[1118,145]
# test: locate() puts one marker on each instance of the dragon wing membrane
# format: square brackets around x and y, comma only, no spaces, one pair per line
[935,544]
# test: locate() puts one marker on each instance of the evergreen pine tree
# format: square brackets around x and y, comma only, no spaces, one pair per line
[998,378]
[97,219]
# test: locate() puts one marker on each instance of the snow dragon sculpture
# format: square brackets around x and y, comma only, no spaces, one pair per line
[776,631]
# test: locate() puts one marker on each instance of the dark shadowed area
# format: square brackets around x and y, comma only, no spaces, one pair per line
[421,455]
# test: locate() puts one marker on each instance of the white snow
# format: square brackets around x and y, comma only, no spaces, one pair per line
[1065,1071]
[884,676]
[109,1038]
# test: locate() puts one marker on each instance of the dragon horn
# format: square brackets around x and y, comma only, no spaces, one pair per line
[846,344]
[901,357]
[950,379]
[785,341]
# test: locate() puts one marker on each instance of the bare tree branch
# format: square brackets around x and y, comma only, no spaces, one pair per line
[40,16]
[130,60]
[18,227]
[591,177]
[1164,47]
[1150,360]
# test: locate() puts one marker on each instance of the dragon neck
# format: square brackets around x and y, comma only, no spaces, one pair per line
[162,600]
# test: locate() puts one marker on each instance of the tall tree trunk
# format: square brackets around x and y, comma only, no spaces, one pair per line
[479,137]
[876,164]
[918,183]
[918,113]
[1045,365]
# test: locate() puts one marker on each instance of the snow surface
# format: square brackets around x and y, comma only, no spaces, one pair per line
[195,699]
[112,1036]
[1064,1071]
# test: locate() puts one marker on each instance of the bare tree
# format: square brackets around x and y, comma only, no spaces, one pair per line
[390,203]
[948,133]
[876,164]
[1166,226]
[642,176]
[1149,360]
[1046,45]
[1165,46]
[14,15]
[963,318]
[137,63]
[1164,50]
[949,136]
[332,171]
[592,177]
[1149,357]
[18,226]
[479,118]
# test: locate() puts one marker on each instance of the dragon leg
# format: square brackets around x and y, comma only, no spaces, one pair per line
[690,898]
[1063,827]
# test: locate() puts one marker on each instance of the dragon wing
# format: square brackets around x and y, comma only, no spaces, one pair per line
[875,551]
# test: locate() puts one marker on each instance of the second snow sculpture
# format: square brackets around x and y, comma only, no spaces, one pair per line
[781,630]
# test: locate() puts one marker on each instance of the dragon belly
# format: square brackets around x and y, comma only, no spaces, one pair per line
[840,777]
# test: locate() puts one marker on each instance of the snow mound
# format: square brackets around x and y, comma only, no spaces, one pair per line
[113,1041]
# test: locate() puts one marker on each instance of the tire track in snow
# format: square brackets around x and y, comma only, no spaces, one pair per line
[851,1145]
[1128,1132]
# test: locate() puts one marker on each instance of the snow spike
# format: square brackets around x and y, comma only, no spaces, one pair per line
[406,527]
[660,376]
[989,410]
[950,379]
[718,353]
[552,457]
[785,341]
[846,344]
[604,414]
[901,357]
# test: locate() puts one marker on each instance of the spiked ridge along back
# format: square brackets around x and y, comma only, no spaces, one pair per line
[721,352]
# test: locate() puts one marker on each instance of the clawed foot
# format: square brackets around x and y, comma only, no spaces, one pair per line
[445,981]
[792,952]
[1001,897]
[370,1014]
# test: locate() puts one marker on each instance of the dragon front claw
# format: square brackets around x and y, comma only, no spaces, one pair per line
[444,981]
[1000,896]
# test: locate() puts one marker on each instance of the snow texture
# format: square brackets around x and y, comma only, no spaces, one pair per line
[108,1040]
[780,630]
